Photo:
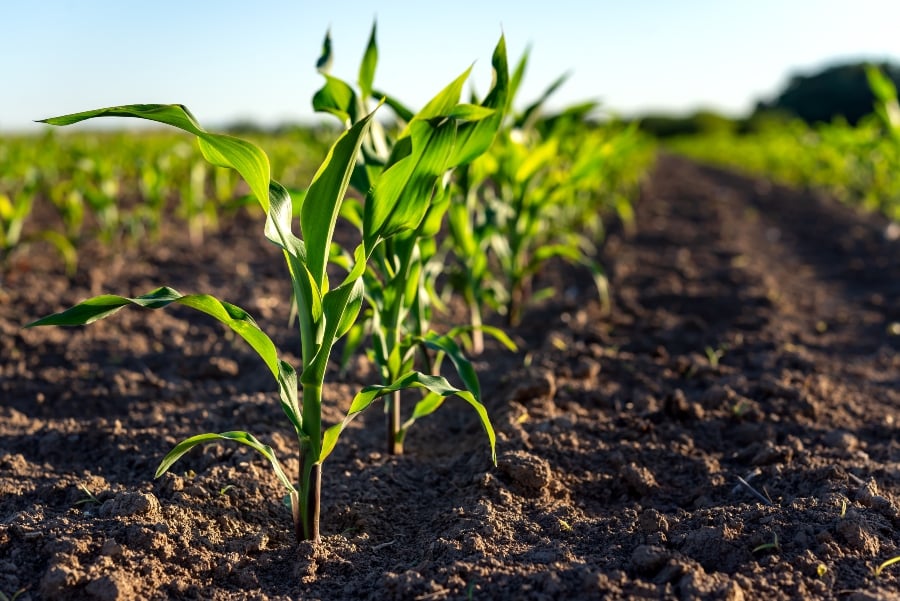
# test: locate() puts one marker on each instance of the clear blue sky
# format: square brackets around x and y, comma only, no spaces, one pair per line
[231,59]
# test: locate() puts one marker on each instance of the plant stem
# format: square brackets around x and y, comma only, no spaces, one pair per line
[514,306]
[475,319]
[306,516]
[306,521]
[393,324]
[395,443]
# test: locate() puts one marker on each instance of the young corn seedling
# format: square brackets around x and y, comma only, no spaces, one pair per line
[510,220]
[15,208]
[532,187]
[325,313]
[399,282]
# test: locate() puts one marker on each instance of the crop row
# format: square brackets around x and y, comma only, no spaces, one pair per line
[476,191]
[857,164]
[116,187]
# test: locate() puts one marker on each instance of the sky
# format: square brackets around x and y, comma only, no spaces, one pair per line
[230,60]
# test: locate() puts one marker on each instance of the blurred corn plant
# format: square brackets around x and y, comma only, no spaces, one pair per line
[856,164]
[18,193]
[540,193]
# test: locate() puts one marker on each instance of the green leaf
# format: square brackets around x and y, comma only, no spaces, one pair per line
[323,64]
[517,76]
[338,98]
[340,309]
[444,102]
[476,137]
[234,317]
[428,405]
[404,192]
[492,331]
[881,85]
[463,366]
[403,112]
[367,66]
[533,110]
[221,150]
[288,395]
[62,245]
[537,159]
[240,437]
[322,204]
[470,112]
[382,197]
[307,293]
[434,384]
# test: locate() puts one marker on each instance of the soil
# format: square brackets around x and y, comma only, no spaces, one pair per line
[728,431]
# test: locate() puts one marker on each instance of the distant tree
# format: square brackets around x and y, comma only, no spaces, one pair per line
[836,91]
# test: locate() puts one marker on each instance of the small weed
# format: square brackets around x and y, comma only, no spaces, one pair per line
[773,546]
[877,571]
[470,591]
[90,498]
[740,409]
[714,355]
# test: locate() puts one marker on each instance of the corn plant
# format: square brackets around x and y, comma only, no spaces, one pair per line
[325,313]
[513,210]
[886,106]
[15,208]
[400,278]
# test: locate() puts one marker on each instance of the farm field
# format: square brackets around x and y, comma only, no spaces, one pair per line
[753,333]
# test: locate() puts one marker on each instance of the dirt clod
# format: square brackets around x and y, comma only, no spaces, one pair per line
[528,474]
[129,504]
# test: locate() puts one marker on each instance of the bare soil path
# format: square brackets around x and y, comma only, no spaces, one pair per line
[728,432]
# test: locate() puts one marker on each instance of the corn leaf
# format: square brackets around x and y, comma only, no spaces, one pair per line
[517,76]
[289,397]
[234,317]
[340,308]
[443,103]
[401,110]
[367,66]
[243,438]
[470,112]
[495,332]
[221,150]
[530,114]
[338,98]
[404,196]
[434,384]
[322,204]
[323,64]
[448,346]
[475,137]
